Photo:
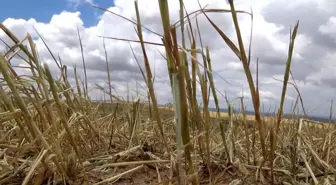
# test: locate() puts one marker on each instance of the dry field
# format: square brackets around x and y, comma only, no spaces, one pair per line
[52,133]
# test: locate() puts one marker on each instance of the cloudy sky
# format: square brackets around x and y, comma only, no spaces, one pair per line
[314,56]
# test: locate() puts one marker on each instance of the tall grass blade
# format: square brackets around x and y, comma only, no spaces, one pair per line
[286,75]
[149,76]
[84,66]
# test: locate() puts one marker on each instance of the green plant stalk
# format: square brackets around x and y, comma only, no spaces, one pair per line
[144,77]
[272,153]
[250,43]
[177,103]
[108,72]
[206,121]
[246,130]
[298,92]
[194,68]
[196,115]
[112,126]
[164,11]
[205,96]
[253,145]
[193,63]
[77,83]
[184,117]
[149,106]
[149,77]
[214,93]
[286,76]
[134,123]
[248,74]
[331,110]
[231,133]
[84,66]
[180,69]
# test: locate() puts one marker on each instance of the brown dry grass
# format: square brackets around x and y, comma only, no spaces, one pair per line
[51,133]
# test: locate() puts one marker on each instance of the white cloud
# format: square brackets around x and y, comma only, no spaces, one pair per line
[270,44]
[75,3]
[329,28]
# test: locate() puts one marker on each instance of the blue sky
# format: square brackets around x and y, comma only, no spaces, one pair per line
[43,10]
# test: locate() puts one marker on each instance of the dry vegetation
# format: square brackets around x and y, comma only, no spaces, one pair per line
[51,133]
